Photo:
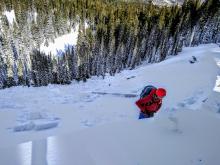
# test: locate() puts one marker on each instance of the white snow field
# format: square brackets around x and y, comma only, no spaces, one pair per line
[61,43]
[66,125]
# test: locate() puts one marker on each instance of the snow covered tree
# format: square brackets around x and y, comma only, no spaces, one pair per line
[113,35]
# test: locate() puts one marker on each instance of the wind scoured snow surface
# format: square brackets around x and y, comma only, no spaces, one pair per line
[104,129]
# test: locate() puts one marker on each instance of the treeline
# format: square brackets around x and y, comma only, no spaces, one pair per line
[119,35]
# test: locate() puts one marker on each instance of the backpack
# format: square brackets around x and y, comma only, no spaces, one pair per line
[146,91]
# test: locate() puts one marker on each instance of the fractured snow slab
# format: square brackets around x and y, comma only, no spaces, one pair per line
[35,121]
[35,125]
[24,127]
[42,125]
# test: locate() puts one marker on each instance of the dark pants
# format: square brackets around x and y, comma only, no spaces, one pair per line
[146,115]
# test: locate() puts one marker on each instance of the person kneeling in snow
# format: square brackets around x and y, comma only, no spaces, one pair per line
[150,101]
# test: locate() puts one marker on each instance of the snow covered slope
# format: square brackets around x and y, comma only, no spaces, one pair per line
[104,129]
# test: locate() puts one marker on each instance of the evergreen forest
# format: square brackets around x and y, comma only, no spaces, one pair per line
[112,36]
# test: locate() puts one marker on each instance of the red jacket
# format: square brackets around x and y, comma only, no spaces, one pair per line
[149,103]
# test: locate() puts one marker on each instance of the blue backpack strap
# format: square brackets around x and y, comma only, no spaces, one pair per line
[146,91]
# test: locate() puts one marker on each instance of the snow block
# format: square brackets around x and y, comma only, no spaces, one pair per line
[24,127]
[35,116]
[45,125]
